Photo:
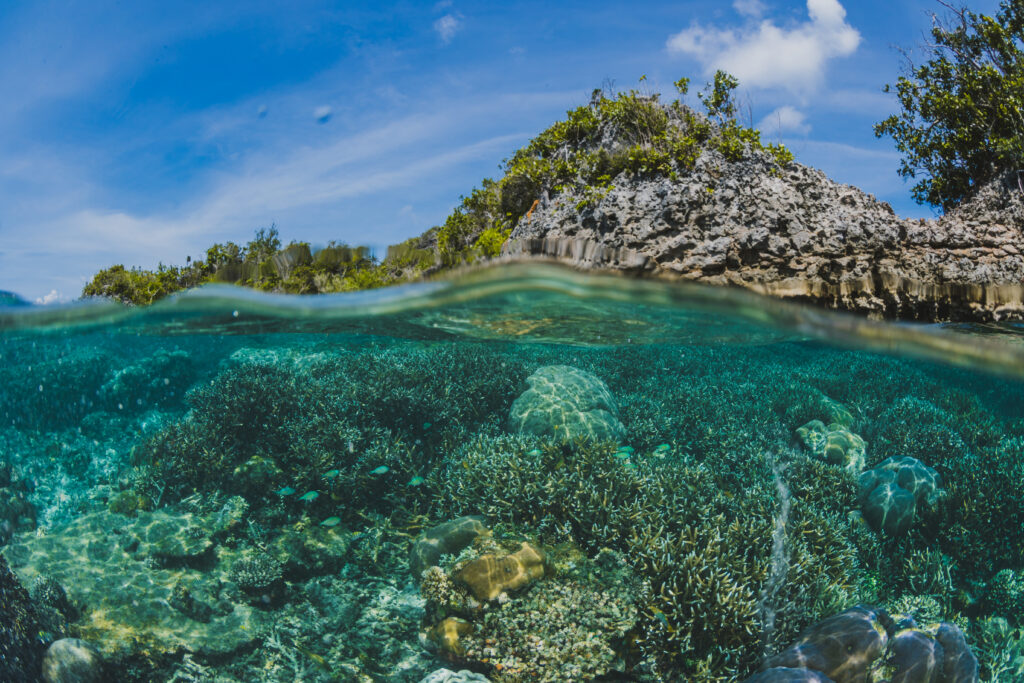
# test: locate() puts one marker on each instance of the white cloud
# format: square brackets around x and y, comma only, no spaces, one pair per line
[447,26]
[749,8]
[769,56]
[785,119]
[54,297]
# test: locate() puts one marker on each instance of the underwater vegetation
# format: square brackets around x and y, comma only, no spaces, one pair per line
[310,509]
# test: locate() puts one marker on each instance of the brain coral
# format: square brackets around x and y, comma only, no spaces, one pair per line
[566,403]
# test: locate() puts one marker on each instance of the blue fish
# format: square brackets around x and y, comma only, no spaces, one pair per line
[285,491]
[309,497]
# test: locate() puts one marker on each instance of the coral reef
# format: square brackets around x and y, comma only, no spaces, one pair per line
[570,623]
[566,404]
[1006,595]
[270,531]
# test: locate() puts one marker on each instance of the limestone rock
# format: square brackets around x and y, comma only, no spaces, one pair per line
[565,403]
[795,234]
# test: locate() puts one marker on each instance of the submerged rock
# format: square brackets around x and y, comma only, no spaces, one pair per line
[128,591]
[566,403]
[71,660]
[449,676]
[783,674]
[842,647]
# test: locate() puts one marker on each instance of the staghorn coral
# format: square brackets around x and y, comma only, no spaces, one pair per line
[573,623]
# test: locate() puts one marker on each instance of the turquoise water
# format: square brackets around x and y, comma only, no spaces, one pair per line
[664,483]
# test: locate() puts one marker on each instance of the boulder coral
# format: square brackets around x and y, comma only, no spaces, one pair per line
[447,538]
[488,576]
[565,403]
[834,444]
[892,493]
[866,645]
[842,646]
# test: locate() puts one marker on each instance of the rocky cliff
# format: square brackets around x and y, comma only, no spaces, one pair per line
[789,231]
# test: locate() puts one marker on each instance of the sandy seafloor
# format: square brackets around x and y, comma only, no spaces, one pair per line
[253,500]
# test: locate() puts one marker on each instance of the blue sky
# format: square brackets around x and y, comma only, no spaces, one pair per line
[143,132]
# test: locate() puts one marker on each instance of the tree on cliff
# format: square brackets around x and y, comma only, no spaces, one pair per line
[962,118]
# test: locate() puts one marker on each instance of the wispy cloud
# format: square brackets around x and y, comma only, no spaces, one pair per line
[447,26]
[766,55]
[785,119]
[749,8]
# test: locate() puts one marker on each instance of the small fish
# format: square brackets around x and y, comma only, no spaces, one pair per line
[426,425]
[662,448]
[534,453]
[383,469]
[330,474]
[285,491]
[331,521]
[416,481]
[309,497]
[625,449]
[622,455]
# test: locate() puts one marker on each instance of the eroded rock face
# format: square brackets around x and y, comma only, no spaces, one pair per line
[566,403]
[795,235]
